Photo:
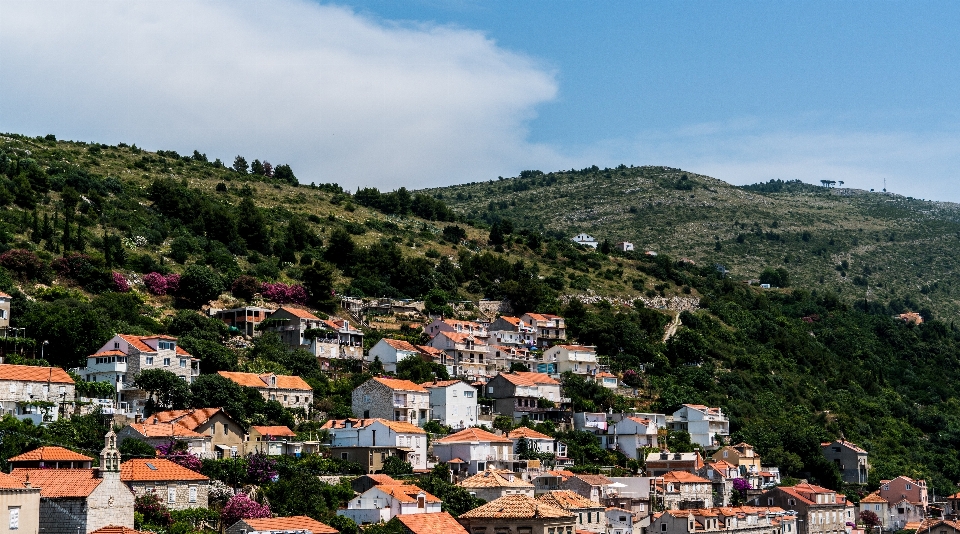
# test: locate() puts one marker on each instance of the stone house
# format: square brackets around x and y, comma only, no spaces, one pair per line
[289,391]
[592,487]
[269,525]
[453,403]
[550,329]
[391,352]
[177,487]
[273,441]
[939,526]
[517,514]
[20,506]
[619,520]
[518,394]
[382,503]
[907,499]
[503,357]
[50,457]
[591,516]
[324,338]
[850,459]
[392,399]
[663,462]
[741,455]
[4,312]
[82,500]
[819,510]
[159,434]
[434,523]
[454,326]
[631,435]
[478,449]
[38,394]
[683,490]
[740,520]
[704,424]
[493,484]
[878,505]
[371,441]
[512,332]
[577,359]
[226,434]
[120,359]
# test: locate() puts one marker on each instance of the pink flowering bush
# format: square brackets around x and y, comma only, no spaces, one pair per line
[242,507]
[261,469]
[120,284]
[22,262]
[176,452]
[158,284]
[283,293]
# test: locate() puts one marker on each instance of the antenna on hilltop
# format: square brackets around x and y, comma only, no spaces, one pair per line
[884,184]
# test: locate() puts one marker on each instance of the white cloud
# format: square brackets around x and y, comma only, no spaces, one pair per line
[340,97]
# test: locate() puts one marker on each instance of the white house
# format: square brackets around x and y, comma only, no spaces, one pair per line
[392,399]
[632,434]
[456,327]
[513,331]
[119,360]
[535,440]
[384,502]
[453,403]
[605,379]
[391,352]
[586,240]
[466,354]
[619,521]
[578,359]
[35,393]
[625,246]
[477,448]
[371,433]
[703,423]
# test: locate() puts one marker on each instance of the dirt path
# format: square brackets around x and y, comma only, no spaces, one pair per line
[671,328]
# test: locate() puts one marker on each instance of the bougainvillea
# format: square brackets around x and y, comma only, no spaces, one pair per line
[245,286]
[261,469]
[176,452]
[22,262]
[154,512]
[120,283]
[242,507]
[159,284]
[741,484]
[283,293]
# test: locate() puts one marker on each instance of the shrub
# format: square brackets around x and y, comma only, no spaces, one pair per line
[153,511]
[158,284]
[120,283]
[23,262]
[242,507]
[283,293]
[244,287]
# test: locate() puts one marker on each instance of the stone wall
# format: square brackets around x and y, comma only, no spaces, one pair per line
[182,501]
[110,504]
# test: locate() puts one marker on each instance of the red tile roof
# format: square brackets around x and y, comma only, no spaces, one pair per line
[112,352]
[10,482]
[191,418]
[31,373]
[684,477]
[297,522]
[528,379]
[156,469]
[441,383]
[594,480]
[113,529]
[405,492]
[441,522]
[402,385]
[253,380]
[460,337]
[524,432]
[396,426]
[843,443]
[274,431]
[577,348]
[162,430]
[54,483]
[297,312]
[473,434]
[50,454]
[430,351]
[400,344]
[134,341]
[567,499]
[516,506]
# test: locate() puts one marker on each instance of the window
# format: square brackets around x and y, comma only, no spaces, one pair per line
[171,494]
[909,487]
[116,344]
[455,393]
[166,361]
[489,389]
[226,428]
[167,345]
[886,487]
[149,360]
[769,501]
[343,456]
[14,517]
[183,363]
[13,388]
[663,527]
[193,494]
[468,394]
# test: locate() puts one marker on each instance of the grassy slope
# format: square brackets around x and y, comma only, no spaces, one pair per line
[895,246]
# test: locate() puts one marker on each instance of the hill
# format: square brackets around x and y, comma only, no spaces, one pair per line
[888,250]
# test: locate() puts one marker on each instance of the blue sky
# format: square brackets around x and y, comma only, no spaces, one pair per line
[423,93]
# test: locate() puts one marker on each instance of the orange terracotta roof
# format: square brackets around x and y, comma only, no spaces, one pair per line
[156,469]
[473,434]
[50,454]
[577,348]
[844,443]
[873,498]
[928,525]
[512,320]
[405,492]
[190,418]
[4,295]
[54,483]
[605,374]
[297,522]
[441,383]
[516,507]
[396,426]
[297,312]
[274,431]
[380,478]
[644,422]
[528,379]
[402,385]
[165,430]
[400,344]
[114,529]
[594,480]
[441,522]
[253,380]
[460,337]
[112,352]
[567,500]
[134,341]
[429,351]
[494,479]
[31,373]
[525,432]
[684,477]
[10,482]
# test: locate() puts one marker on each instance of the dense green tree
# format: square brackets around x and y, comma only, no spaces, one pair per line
[419,370]
[199,285]
[165,390]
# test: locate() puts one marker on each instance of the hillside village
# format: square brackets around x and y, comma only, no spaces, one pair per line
[483,430]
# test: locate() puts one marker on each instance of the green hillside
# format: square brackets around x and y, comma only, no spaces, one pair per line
[883,248]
